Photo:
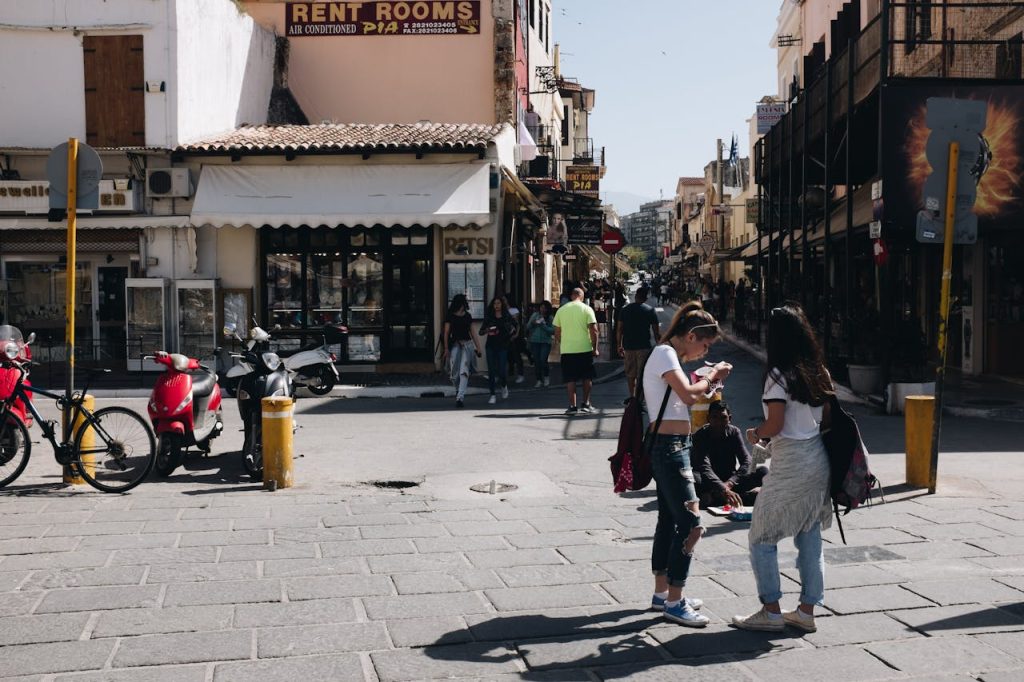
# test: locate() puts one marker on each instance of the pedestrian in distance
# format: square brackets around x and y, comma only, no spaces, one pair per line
[500,329]
[722,463]
[794,500]
[692,331]
[576,336]
[541,330]
[637,322]
[518,346]
[461,347]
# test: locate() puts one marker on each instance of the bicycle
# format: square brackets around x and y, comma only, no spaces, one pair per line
[123,448]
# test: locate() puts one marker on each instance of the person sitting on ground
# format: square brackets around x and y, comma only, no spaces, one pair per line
[721,462]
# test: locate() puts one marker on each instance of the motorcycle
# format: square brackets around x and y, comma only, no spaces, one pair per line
[11,337]
[313,366]
[185,409]
[261,374]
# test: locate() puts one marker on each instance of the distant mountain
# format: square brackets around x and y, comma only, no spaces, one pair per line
[625,202]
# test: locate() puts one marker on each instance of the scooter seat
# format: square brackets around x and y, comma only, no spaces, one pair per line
[202,384]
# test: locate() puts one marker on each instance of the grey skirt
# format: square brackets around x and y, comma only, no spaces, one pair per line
[795,494]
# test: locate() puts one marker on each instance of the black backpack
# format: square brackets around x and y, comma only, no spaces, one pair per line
[852,481]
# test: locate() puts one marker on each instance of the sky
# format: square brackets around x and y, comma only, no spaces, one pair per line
[671,77]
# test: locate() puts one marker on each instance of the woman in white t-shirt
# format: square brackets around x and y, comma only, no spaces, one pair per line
[689,336]
[794,500]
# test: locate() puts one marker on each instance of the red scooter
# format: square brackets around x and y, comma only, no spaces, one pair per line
[11,336]
[184,409]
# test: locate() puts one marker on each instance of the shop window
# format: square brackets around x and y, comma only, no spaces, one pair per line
[283,278]
[36,303]
[468,278]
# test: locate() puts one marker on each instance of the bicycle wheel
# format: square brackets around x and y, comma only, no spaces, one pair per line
[15,448]
[121,452]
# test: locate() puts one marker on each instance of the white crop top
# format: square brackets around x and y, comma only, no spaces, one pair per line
[663,359]
[801,420]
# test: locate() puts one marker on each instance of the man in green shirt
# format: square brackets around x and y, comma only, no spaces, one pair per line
[576,336]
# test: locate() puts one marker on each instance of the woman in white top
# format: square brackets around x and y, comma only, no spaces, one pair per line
[794,500]
[691,333]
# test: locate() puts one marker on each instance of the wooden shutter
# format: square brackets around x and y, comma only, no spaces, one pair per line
[115,114]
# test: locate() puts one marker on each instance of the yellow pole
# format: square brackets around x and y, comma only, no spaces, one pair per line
[947,277]
[69,296]
[88,459]
[277,442]
[919,414]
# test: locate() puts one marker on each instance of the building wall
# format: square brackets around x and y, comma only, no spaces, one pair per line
[390,79]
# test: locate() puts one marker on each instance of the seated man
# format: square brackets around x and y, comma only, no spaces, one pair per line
[721,462]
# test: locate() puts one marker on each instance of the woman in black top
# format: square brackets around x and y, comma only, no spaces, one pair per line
[461,347]
[500,329]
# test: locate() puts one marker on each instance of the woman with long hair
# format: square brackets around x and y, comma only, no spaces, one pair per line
[688,338]
[500,329]
[794,500]
[461,347]
[541,329]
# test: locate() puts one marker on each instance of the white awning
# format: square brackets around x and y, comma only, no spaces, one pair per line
[96,222]
[404,195]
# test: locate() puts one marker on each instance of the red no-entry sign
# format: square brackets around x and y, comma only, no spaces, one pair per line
[612,240]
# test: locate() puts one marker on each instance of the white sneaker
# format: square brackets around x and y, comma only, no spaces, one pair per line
[504,392]
[520,379]
[547,382]
[493,399]
[538,384]
[760,620]
[799,620]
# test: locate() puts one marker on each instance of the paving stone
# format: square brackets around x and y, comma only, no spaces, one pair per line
[10,532]
[18,603]
[337,668]
[505,512]
[564,539]
[191,526]
[873,598]
[942,621]
[1014,581]
[519,625]
[79,559]
[164,620]
[483,528]
[305,640]
[12,579]
[1015,675]
[388,519]
[718,638]
[266,552]
[854,575]
[553,525]
[188,573]
[866,554]
[366,548]
[819,664]
[963,513]
[36,545]
[226,513]
[938,569]
[526,598]
[274,523]
[445,515]
[42,628]
[859,629]
[939,549]
[129,515]
[168,502]
[478,579]
[223,592]
[948,654]
[588,652]
[129,541]
[514,557]
[459,544]
[591,554]
[223,538]
[998,565]
[1002,546]
[288,568]
[100,598]
[423,606]
[465,660]
[624,570]
[58,657]
[1004,526]
[56,578]
[328,587]
[407,507]
[1011,643]
[565,574]
[427,583]
[420,632]
[978,591]
[637,591]
[86,529]
[415,563]
[182,673]
[953,531]
[419,530]
[190,647]
[711,669]
[134,557]
[40,519]
[289,535]
[313,612]
[744,585]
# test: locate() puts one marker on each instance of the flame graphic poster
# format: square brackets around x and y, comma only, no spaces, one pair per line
[999,173]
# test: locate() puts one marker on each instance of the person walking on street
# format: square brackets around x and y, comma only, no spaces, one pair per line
[576,336]
[500,329]
[518,345]
[794,500]
[637,322]
[541,329]
[667,388]
[461,347]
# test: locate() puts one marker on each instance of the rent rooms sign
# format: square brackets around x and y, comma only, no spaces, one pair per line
[382,17]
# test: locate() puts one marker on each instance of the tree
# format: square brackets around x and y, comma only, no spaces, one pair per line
[635,255]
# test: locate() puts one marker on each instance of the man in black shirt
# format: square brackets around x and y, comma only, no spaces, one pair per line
[721,461]
[637,322]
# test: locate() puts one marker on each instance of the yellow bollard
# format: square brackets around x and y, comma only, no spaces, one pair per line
[699,411]
[919,419]
[88,460]
[277,442]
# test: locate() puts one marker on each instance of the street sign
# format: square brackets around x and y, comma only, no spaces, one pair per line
[612,241]
[90,172]
[584,230]
[706,244]
[721,209]
[875,229]
[753,212]
[768,115]
[585,180]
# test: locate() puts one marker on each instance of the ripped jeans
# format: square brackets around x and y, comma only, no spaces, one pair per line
[670,460]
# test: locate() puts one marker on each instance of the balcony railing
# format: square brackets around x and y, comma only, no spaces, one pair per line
[583,150]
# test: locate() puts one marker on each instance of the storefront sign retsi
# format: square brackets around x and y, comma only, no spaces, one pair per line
[383,17]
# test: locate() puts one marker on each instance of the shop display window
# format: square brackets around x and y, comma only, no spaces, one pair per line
[366,290]
[469,278]
[325,292]
[284,290]
[196,325]
[36,302]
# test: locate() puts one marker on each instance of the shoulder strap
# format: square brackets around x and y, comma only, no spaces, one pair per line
[661,412]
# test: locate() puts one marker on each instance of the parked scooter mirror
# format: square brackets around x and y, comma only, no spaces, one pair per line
[30,339]
[229,329]
[250,345]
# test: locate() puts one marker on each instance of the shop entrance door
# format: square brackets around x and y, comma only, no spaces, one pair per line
[410,300]
[110,312]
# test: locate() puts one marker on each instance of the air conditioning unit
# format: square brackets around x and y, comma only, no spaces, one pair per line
[168,182]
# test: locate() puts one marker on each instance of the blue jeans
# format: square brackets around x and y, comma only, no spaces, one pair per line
[497,367]
[810,561]
[540,352]
[670,461]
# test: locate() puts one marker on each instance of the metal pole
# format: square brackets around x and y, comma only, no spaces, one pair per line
[69,292]
[721,215]
[947,276]
[613,350]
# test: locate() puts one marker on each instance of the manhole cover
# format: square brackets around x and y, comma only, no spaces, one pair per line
[989,402]
[394,485]
[493,488]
